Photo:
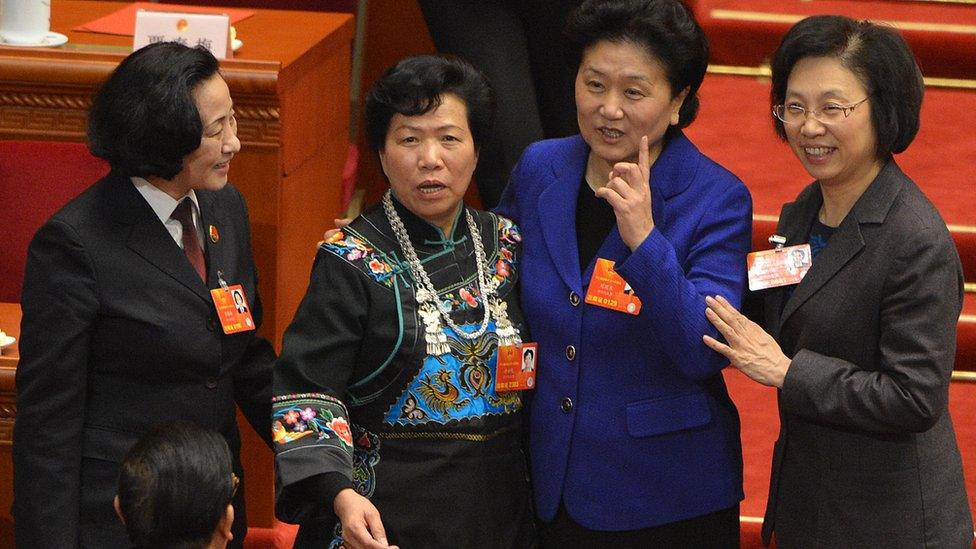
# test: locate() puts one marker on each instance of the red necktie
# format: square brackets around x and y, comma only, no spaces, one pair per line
[191,244]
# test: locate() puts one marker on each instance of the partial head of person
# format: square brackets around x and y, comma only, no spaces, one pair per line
[426,117]
[641,63]
[846,95]
[165,114]
[175,489]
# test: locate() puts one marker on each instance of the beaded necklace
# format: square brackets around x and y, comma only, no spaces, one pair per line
[430,307]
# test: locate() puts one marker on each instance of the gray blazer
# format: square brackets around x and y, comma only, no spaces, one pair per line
[867,455]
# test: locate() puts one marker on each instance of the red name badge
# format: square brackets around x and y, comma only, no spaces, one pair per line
[516,367]
[232,309]
[778,267]
[609,290]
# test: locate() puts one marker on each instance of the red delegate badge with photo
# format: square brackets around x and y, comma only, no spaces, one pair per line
[609,290]
[516,367]
[778,267]
[232,309]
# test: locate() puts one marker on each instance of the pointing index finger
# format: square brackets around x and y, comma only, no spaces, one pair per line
[644,156]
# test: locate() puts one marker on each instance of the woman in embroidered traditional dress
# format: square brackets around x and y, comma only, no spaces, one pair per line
[386,415]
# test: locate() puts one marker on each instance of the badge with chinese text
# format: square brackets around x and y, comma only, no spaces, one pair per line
[516,367]
[778,267]
[232,309]
[609,290]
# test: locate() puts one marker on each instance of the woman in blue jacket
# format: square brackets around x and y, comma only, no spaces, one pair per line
[634,440]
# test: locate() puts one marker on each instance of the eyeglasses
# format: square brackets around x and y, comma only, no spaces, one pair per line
[831,113]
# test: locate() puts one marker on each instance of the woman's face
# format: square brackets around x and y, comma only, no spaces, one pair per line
[429,160]
[841,152]
[206,167]
[623,94]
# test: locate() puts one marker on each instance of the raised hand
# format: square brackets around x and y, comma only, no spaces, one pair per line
[750,348]
[629,193]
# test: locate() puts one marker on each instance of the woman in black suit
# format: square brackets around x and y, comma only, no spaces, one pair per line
[862,348]
[120,331]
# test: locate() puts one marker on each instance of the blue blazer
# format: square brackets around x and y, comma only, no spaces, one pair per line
[631,423]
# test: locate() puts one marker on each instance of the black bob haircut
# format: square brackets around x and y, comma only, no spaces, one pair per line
[144,120]
[880,59]
[175,485]
[664,29]
[416,85]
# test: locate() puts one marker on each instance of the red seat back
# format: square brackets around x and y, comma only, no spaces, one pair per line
[37,178]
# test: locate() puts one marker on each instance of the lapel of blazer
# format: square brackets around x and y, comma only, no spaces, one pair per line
[148,238]
[794,223]
[847,241]
[557,210]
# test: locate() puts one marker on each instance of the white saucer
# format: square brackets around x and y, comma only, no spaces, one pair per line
[7,341]
[236,44]
[51,40]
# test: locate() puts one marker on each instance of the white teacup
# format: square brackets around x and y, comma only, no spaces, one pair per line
[24,21]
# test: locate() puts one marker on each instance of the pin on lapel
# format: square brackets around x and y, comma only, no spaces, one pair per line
[214,235]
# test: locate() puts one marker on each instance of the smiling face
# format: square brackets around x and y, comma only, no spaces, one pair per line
[429,160]
[843,153]
[207,166]
[622,94]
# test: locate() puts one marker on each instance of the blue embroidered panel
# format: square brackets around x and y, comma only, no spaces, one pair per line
[456,386]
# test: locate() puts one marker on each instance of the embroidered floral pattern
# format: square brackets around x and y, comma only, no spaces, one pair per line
[354,250]
[509,238]
[366,455]
[468,297]
[341,429]
[313,415]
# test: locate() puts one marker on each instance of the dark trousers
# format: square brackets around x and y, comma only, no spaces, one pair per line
[519,47]
[718,530]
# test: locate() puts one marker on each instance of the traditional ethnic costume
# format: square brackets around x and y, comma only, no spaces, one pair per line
[376,391]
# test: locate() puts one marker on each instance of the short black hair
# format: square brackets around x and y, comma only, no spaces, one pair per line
[877,55]
[416,85]
[143,119]
[175,485]
[665,29]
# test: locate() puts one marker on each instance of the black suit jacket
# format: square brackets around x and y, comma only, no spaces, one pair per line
[867,456]
[118,334]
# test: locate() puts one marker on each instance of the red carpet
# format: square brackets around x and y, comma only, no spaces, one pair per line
[746,32]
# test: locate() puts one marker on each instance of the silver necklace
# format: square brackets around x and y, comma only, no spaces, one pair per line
[432,310]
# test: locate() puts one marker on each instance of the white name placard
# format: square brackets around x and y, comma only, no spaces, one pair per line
[211,31]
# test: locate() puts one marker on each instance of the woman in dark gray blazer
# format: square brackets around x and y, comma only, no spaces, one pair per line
[862,348]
